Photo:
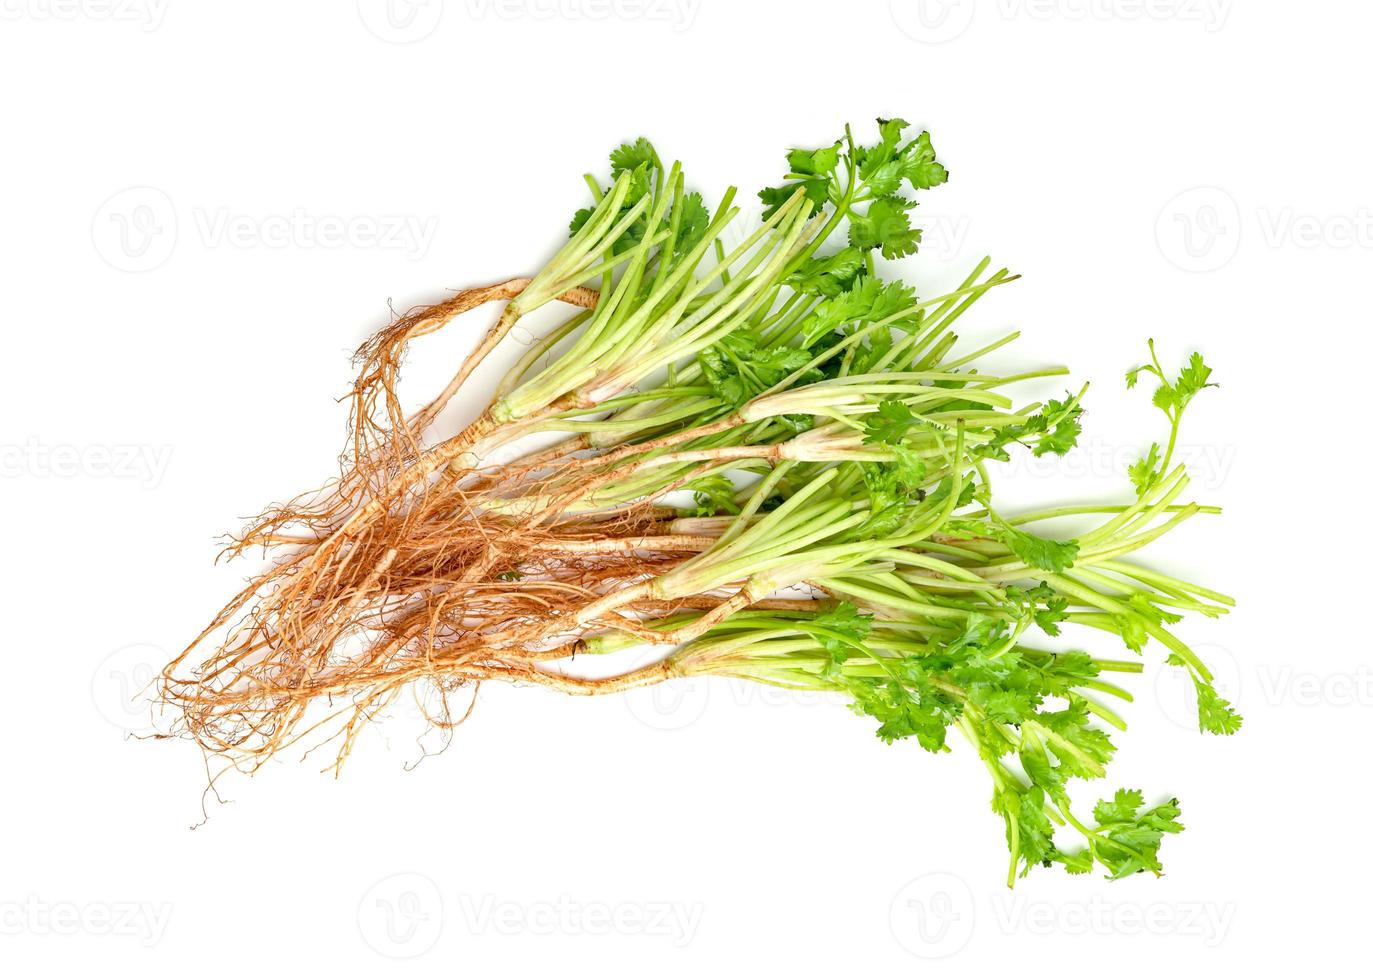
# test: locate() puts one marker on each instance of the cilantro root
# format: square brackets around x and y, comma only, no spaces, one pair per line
[763,461]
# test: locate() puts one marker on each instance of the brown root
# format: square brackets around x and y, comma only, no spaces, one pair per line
[385,443]
[409,571]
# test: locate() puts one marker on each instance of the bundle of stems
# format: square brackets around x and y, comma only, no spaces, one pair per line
[759,461]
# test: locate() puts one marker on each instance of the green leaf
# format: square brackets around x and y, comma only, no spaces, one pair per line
[1036,830]
[725,382]
[694,221]
[886,299]
[737,368]
[1132,631]
[919,166]
[1128,840]
[1122,807]
[907,468]
[885,178]
[893,488]
[890,423]
[1078,863]
[1053,430]
[821,162]
[628,156]
[1053,612]
[1141,603]
[1173,397]
[868,353]
[1035,761]
[1214,713]
[828,275]
[1192,379]
[887,226]
[1005,707]
[872,157]
[884,165]
[865,298]
[918,710]
[582,216]
[1144,472]
[714,494]
[845,618]
[1092,748]
[817,192]
[1037,552]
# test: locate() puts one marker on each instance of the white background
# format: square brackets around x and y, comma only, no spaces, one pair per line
[172,353]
